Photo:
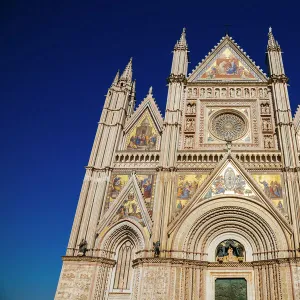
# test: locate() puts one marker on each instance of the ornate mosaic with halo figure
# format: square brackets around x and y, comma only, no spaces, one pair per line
[227,125]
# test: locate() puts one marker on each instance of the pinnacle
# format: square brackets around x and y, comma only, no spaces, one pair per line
[115,82]
[272,43]
[182,41]
[127,73]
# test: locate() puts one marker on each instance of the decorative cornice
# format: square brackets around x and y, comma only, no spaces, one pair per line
[189,262]
[100,260]
[282,78]
[177,78]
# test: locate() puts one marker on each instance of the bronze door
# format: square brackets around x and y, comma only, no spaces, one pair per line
[231,289]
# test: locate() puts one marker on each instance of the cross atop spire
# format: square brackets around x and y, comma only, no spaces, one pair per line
[272,43]
[181,44]
[127,73]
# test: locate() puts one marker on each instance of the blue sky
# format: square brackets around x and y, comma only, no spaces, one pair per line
[57,60]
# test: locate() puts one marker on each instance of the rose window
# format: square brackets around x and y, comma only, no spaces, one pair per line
[228,126]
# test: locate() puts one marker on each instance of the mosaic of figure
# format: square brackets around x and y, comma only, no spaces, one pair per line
[129,209]
[271,184]
[229,182]
[143,136]
[228,65]
[230,251]
[186,188]
[146,183]
[116,185]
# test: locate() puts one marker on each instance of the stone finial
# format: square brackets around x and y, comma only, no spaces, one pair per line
[150,92]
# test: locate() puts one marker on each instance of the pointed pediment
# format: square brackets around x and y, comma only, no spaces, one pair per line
[227,62]
[229,179]
[149,106]
[129,205]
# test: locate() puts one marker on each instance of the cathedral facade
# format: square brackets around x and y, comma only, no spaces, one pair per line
[202,203]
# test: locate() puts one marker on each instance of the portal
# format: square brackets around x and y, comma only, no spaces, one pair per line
[231,289]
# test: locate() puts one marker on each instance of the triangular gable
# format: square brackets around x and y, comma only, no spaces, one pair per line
[229,178]
[148,104]
[129,205]
[143,130]
[227,62]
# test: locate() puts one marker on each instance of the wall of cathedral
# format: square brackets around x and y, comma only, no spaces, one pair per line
[213,187]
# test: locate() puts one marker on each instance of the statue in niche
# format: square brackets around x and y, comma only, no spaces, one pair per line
[247,93]
[223,93]
[231,93]
[238,93]
[260,93]
[253,93]
[188,108]
[82,248]
[189,142]
[266,125]
[265,93]
[209,93]
[195,92]
[268,142]
[189,92]
[217,93]
[193,109]
[190,124]
[202,93]
[230,251]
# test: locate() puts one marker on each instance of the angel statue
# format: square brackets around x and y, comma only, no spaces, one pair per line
[82,248]
[156,248]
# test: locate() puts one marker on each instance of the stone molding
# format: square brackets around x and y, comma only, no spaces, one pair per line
[197,263]
[101,260]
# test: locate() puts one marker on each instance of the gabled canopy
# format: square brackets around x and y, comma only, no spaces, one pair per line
[227,62]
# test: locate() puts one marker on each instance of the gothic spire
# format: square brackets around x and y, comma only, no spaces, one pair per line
[182,44]
[272,43]
[115,82]
[127,74]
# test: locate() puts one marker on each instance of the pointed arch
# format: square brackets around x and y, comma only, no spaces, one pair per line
[108,244]
[239,216]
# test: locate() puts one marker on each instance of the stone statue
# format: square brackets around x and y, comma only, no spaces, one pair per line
[156,248]
[82,248]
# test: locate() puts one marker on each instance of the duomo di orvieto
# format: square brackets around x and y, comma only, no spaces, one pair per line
[202,203]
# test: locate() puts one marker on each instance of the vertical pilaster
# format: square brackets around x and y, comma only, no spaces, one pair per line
[119,103]
[170,139]
[286,133]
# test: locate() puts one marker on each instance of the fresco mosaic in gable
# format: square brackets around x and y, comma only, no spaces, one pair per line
[146,183]
[229,182]
[144,134]
[187,186]
[272,186]
[227,65]
[116,185]
[129,210]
